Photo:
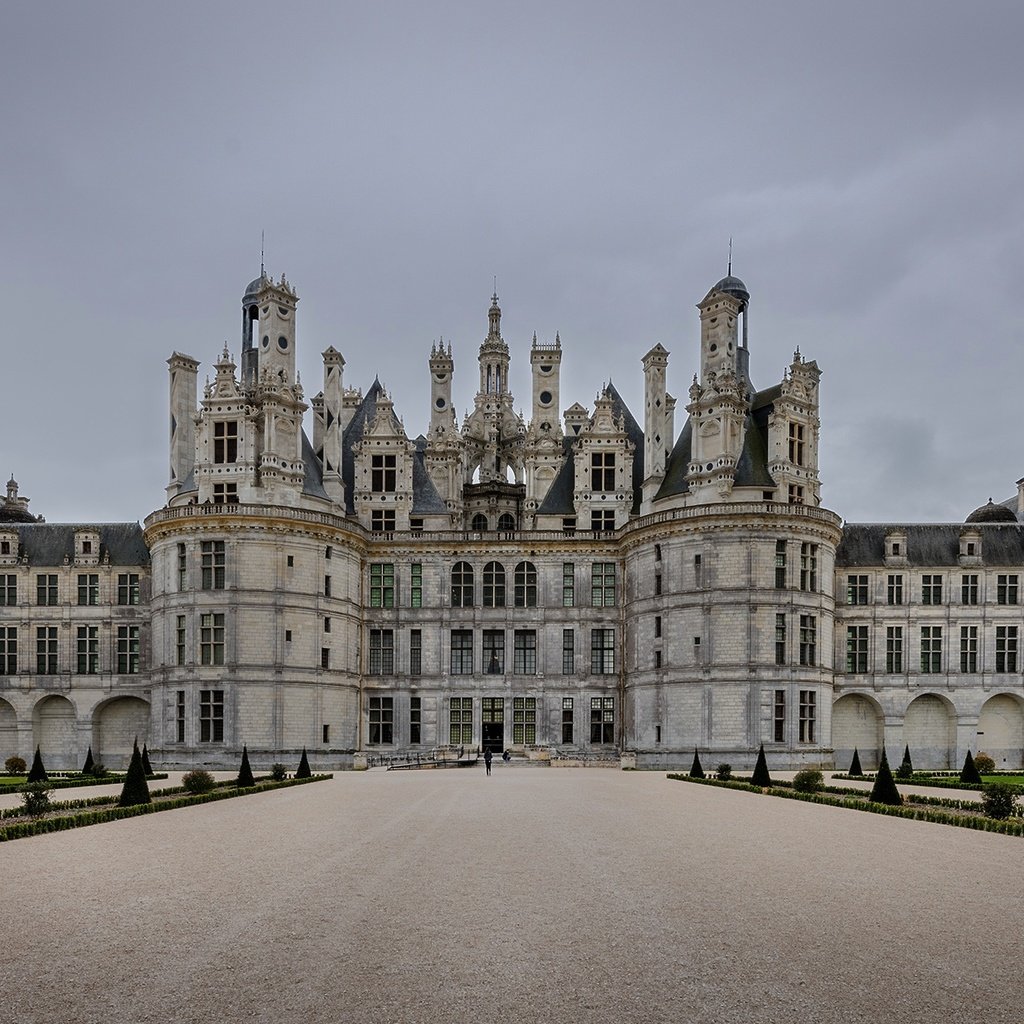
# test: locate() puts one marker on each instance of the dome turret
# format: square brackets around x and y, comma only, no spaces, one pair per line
[992,513]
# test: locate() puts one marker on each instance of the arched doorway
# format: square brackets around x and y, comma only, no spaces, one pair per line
[1001,730]
[929,729]
[8,731]
[53,732]
[115,727]
[856,724]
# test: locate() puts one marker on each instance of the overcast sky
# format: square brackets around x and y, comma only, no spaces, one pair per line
[867,159]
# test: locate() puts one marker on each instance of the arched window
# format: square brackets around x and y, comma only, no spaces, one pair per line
[506,521]
[526,585]
[494,585]
[462,585]
[479,523]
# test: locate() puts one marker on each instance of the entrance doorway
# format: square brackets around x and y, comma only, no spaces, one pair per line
[492,734]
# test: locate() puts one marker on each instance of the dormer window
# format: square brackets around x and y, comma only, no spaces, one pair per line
[796,444]
[383,473]
[86,547]
[602,471]
[225,442]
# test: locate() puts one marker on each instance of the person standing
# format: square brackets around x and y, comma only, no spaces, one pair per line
[487,761]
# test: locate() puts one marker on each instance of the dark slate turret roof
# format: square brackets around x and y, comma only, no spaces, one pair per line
[49,543]
[558,500]
[636,436]
[425,498]
[992,513]
[313,481]
[863,544]
[14,514]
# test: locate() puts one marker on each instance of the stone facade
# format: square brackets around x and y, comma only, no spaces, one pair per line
[569,588]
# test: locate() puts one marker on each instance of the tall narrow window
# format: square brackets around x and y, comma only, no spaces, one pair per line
[931,588]
[780,564]
[383,473]
[46,650]
[460,721]
[969,588]
[524,654]
[211,716]
[128,588]
[128,649]
[808,640]
[415,720]
[88,588]
[809,567]
[415,652]
[857,649]
[462,652]
[494,585]
[8,650]
[796,444]
[808,715]
[46,589]
[526,585]
[698,571]
[179,716]
[382,652]
[416,585]
[8,589]
[88,650]
[494,651]
[568,651]
[382,585]
[179,640]
[602,471]
[182,567]
[602,651]
[931,649]
[213,564]
[602,719]
[462,585]
[211,638]
[1006,648]
[568,584]
[524,720]
[968,648]
[780,638]
[327,586]
[567,720]
[225,442]
[894,649]
[602,591]
[894,588]
[382,720]
[779,717]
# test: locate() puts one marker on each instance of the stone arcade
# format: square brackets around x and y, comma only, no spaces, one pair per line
[572,585]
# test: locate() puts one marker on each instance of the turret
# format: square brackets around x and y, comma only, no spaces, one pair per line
[274,307]
[330,454]
[657,420]
[545,362]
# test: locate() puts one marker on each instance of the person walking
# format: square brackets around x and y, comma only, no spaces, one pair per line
[487,761]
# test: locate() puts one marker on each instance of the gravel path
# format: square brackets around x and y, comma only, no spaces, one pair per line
[534,895]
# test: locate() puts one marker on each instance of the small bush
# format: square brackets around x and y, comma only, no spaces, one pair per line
[884,790]
[696,770]
[146,766]
[98,770]
[761,776]
[198,781]
[999,799]
[969,774]
[303,771]
[37,773]
[15,765]
[135,789]
[809,780]
[906,768]
[278,772]
[855,769]
[723,772]
[245,779]
[89,763]
[984,763]
[36,799]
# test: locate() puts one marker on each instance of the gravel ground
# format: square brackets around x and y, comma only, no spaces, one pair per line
[534,895]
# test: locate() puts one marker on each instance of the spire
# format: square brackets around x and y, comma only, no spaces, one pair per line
[729,273]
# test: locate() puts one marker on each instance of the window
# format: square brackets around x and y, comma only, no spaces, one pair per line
[494,585]
[602,471]
[227,494]
[382,652]
[808,640]
[88,588]
[526,585]
[179,716]
[86,547]
[969,589]
[568,584]
[657,552]
[478,524]
[567,720]
[524,654]
[931,589]
[382,520]
[46,589]
[211,716]
[780,564]
[416,585]
[462,652]
[569,525]
[287,636]
[857,649]
[506,522]
[779,717]
[382,720]
[326,732]
[128,588]
[524,720]
[809,567]
[602,651]
[796,444]
[415,652]
[931,649]
[182,567]
[462,585]
[1006,589]
[602,520]
[657,584]
[325,658]
[212,561]
[602,589]
[657,626]
[602,719]
[211,638]
[225,442]
[383,474]
[415,719]
[808,715]
[128,648]
[382,585]
[460,721]
[494,651]
[8,589]
[968,648]
[327,623]
[46,650]
[1006,648]
[796,494]
[856,590]
[657,659]
[179,640]
[327,586]
[88,650]
[8,650]
[492,716]
[780,638]
[893,648]
[894,589]
[568,651]
[698,573]
[327,551]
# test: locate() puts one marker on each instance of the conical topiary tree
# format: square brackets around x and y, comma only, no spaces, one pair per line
[906,768]
[37,773]
[89,763]
[855,768]
[303,770]
[884,790]
[696,771]
[135,789]
[761,777]
[146,766]
[245,779]
[969,774]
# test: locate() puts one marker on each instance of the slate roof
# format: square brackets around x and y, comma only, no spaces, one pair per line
[48,543]
[424,494]
[930,544]
[558,500]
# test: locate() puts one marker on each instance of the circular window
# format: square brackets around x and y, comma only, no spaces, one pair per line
[440,403]
[266,341]
[545,398]
[714,348]
[545,369]
[282,343]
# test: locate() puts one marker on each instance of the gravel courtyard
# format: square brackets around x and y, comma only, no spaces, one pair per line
[555,895]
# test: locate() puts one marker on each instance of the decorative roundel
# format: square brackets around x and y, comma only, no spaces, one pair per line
[711,466]
[282,343]
[266,341]
[545,369]
[440,403]
[713,347]
[545,398]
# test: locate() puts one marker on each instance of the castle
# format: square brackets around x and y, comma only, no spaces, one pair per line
[573,586]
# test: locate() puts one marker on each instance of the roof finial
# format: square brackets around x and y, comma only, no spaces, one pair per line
[730,256]
[262,270]
[494,296]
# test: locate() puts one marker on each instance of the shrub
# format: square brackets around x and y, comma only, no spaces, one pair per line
[999,799]
[855,768]
[809,780]
[884,790]
[303,770]
[146,766]
[198,781]
[906,768]
[278,772]
[245,779]
[15,765]
[723,772]
[984,763]
[969,774]
[135,789]
[761,776]
[37,773]
[36,798]
[696,771]
[98,770]
[89,763]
